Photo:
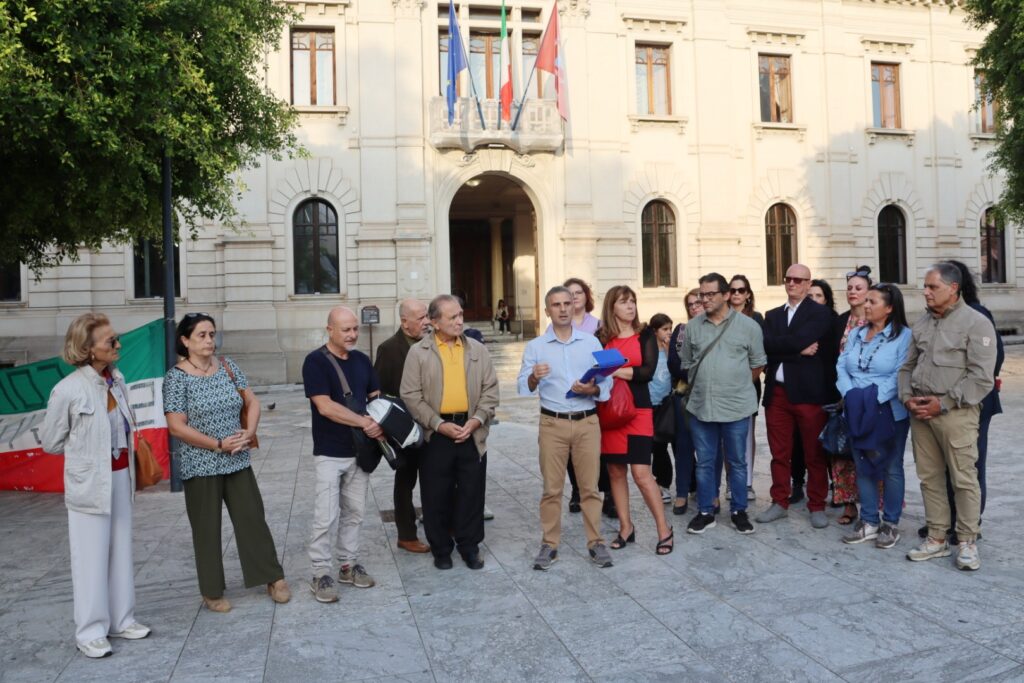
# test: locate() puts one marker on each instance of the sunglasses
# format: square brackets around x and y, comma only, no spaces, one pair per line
[196,315]
[114,341]
[737,290]
[857,273]
[789,280]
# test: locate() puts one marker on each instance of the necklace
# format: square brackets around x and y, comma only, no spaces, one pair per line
[866,366]
[205,371]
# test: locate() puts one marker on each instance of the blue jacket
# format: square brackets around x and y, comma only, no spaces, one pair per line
[877,363]
[870,421]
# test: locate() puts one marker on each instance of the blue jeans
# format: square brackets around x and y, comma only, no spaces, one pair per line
[682,450]
[732,437]
[893,483]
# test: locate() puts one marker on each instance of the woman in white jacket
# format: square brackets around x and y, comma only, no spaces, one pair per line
[89,420]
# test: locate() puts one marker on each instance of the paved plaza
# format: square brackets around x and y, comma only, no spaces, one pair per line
[786,604]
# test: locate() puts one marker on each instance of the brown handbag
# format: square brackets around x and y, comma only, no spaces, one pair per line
[243,417]
[148,471]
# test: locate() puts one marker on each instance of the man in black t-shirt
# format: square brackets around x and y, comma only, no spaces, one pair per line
[340,484]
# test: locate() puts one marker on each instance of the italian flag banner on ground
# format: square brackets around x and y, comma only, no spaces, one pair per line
[24,390]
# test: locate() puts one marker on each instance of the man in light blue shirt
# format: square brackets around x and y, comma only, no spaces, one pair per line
[552,366]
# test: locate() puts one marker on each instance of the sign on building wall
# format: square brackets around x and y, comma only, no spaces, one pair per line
[24,391]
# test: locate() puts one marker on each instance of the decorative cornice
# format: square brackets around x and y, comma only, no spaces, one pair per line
[951,4]
[886,44]
[769,35]
[662,24]
[319,7]
[408,8]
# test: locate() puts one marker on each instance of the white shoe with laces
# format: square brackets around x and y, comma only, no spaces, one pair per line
[967,557]
[96,648]
[134,632]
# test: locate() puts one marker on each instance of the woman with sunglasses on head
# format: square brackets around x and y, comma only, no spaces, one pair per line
[683,449]
[89,420]
[741,299]
[844,473]
[627,448]
[203,398]
[872,357]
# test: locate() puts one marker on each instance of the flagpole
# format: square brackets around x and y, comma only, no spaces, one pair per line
[472,83]
[501,60]
[526,88]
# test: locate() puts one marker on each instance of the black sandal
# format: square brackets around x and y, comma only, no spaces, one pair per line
[619,543]
[666,545]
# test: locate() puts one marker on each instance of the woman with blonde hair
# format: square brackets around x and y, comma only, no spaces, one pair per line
[628,447]
[89,419]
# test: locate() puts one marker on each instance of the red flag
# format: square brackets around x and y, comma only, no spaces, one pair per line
[551,59]
[505,93]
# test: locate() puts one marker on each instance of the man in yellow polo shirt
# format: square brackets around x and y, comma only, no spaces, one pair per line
[451,390]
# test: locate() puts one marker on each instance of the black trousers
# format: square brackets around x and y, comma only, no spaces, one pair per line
[661,465]
[405,482]
[452,481]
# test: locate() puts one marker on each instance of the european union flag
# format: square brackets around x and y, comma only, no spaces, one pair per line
[456,61]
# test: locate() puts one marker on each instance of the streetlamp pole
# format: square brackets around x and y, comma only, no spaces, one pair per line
[171,357]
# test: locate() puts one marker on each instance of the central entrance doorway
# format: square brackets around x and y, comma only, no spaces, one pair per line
[492,234]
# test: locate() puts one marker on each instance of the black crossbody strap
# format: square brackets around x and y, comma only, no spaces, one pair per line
[692,374]
[345,388]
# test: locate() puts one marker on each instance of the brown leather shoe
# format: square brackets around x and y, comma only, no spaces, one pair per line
[414,546]
[217,604]
[279,591]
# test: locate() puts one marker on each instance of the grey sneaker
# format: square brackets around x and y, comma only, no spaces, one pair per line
[545,558]
[355,575]
[929,548]
[967,557]
[862,531]
[600,556]
[888,535]
[773,513]
[818,519]
[96,648]
[323,589]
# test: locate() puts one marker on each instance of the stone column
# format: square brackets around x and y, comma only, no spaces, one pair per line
[497,281]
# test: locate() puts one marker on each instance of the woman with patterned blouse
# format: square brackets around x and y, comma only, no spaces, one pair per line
[202,403]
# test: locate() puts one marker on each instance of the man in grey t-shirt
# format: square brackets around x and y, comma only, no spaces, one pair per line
[722,352]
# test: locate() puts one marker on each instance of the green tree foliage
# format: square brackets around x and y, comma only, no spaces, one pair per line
[1002,58]
[93,91]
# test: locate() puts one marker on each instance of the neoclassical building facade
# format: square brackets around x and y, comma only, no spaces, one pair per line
[727,135]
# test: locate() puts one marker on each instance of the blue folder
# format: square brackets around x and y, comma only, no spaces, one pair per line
[605,363]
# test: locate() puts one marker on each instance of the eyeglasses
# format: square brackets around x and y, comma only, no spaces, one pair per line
[789,280]
[737,290]
[857,273]
[695,302]
[709,295]
[113,341]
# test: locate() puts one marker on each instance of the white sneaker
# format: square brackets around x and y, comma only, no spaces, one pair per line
[666,495]
[96,648]
[967,557]
[488,515]
[134,632]
[930,548]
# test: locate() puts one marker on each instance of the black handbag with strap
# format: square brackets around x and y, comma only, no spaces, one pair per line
[368,454]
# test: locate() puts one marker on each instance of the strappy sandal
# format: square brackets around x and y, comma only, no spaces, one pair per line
[846,517]
[667,544]
[619,543]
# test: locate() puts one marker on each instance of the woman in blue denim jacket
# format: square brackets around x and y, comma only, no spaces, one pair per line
[873,355]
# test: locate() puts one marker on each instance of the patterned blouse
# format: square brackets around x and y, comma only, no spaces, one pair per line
[210,405]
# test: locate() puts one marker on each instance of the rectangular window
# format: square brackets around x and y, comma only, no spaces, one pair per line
[885,95]
[776,89]
[993,247]
[984,104]
[149,270]
[653,80]
[531,44]
[484,57]
[313,68]
[10,282]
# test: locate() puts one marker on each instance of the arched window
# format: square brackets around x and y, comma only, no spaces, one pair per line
[993,247]
[658,225]
[892,245]
[780,241]
[315,235]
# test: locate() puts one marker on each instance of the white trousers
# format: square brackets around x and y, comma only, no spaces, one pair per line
[340,502]
[102,575]
[751,441]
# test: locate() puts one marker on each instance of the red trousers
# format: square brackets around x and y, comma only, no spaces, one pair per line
[783,420]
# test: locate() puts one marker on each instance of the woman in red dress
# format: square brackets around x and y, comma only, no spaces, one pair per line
[629,446]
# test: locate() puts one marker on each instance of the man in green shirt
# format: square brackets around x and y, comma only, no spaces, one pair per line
[722,353]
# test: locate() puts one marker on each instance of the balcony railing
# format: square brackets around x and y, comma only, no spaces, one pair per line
[539,129]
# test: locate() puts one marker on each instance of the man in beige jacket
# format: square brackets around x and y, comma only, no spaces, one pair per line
[451,390]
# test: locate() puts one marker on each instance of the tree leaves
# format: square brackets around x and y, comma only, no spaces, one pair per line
[93,91]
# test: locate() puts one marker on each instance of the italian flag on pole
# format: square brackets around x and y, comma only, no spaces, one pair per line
[25,389]
[506,70]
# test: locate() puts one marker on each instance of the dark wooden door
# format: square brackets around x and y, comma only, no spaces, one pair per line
[470,245]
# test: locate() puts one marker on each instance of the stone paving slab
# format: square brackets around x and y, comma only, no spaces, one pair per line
[786,604]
